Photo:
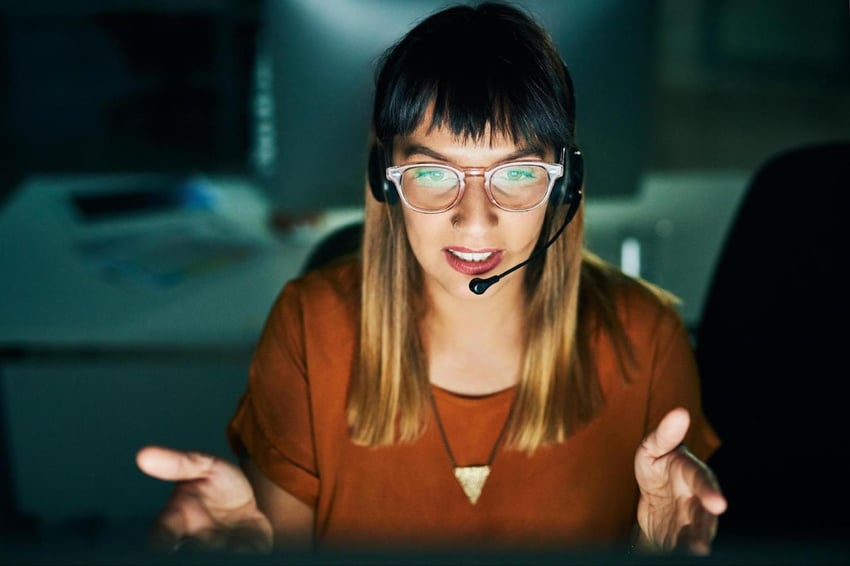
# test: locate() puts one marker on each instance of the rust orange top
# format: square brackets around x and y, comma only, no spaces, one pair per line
[291,421]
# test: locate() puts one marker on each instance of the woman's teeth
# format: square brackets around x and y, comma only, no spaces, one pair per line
[470,256]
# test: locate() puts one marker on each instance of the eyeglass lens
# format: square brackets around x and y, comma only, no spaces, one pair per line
[516,187]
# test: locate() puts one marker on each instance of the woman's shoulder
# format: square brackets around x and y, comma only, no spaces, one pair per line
[329,289]
[340,278]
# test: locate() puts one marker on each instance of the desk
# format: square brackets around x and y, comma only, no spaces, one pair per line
[99,362]
[52,295]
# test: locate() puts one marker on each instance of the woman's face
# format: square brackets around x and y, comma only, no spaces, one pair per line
[475,238]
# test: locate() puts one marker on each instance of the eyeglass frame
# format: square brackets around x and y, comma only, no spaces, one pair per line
[555,171]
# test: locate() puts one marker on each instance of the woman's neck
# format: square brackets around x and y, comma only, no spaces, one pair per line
[475,347]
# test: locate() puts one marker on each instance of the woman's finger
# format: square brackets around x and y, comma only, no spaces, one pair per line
[710,496]
[697,537]
[173,465]
[669,434]
[702,484]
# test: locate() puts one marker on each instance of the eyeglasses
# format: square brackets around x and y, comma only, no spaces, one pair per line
[516,186]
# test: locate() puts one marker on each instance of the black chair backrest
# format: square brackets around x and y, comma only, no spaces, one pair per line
[771,350]
[340,242]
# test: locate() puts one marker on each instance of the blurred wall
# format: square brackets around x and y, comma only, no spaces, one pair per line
[739,80]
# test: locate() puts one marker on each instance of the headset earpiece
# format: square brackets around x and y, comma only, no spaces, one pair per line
[382,188]
[567,189]
[576,176]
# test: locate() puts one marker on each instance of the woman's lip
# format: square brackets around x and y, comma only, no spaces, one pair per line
[472,267]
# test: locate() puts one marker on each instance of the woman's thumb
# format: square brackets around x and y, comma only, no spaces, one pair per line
[173,465]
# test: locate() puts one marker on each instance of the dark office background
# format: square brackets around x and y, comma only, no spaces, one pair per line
[262,87]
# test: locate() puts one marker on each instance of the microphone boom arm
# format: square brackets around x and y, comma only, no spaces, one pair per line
[479,286]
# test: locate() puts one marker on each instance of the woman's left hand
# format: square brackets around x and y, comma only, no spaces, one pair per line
[680,498]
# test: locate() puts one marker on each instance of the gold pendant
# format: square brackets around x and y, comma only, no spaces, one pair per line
[471,479]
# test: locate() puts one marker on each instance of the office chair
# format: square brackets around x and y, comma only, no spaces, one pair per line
[772,351]
[8,500]
[340,242]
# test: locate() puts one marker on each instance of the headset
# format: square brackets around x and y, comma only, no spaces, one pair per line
[566,190]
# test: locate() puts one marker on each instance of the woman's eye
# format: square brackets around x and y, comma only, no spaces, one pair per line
[518,174]
[430,174]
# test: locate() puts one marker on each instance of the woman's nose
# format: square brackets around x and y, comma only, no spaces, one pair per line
[475,212]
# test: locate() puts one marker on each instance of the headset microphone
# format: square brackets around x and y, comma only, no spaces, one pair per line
[572,195]
[479,286]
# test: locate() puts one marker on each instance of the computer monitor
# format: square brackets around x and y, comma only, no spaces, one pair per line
[106,86]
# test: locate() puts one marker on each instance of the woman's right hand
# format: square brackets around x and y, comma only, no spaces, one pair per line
[213,504]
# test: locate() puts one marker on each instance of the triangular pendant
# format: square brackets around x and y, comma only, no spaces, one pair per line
[471,479]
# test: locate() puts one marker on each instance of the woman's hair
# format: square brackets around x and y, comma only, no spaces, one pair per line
[474,70]
[489,65]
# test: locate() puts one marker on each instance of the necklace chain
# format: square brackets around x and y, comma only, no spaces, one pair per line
[471,478]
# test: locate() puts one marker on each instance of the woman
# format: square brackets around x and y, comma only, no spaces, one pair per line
[475,379]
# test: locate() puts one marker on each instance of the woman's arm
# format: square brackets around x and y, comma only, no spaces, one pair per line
[291,519]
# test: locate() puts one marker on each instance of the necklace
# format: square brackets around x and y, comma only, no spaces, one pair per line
[470,478]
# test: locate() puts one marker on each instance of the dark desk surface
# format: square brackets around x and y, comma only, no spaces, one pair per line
[97,543]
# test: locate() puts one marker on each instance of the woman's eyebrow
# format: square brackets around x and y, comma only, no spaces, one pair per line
[418,149]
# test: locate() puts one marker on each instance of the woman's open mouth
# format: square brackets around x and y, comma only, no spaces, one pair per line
[471,262]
